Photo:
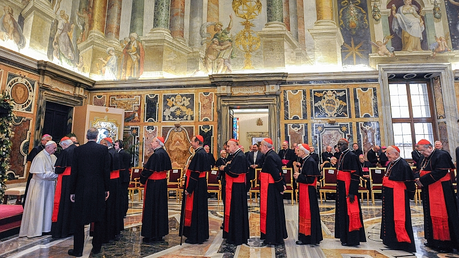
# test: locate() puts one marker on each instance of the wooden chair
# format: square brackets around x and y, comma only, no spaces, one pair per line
[328,182]
[255,185]
[174,177]
[134,183]
[287,174]
[376,180]
[453,179]
[213,184]
[363,190]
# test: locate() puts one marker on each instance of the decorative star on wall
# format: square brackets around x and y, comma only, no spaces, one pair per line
[353,50]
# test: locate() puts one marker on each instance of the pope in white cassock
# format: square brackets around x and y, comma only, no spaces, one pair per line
[38,208]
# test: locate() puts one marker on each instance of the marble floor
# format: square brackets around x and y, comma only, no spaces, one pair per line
[131,245]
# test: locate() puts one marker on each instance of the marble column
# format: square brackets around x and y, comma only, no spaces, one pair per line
[38,17]
[112,29]
[327,35]
[137,17]
[177,23]
[275,10]
[160,43]
[213,11]
[195,23]
[286,14]
[99,16]
[162,14]
[300,22]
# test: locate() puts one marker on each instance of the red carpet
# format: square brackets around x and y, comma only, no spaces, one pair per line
[10,219]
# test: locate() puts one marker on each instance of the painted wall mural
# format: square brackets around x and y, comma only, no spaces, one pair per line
[329,134]
[296,133]
[330,103]
[206,106]
[130,104]
[178,107]
[149,133]
[366,104]
[151,107]
[225,39]
[22,92]
[354,26]
[295,104]
[369,135]
[177,144]
[131,143]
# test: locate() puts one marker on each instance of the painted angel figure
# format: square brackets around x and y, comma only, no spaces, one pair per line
[439,46]
[383,50]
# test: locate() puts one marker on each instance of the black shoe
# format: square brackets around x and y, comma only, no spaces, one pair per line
[190,242]
[94,251]
[299,242]
[72,253]
[445,250]
[347,244]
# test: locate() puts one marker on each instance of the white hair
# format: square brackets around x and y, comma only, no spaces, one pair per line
[49,143]
[66,143]
[267,144]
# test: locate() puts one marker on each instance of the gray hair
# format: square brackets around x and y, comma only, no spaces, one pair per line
[92,133]
[66,143]
[269,145]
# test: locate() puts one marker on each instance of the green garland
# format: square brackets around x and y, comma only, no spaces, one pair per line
[6,125]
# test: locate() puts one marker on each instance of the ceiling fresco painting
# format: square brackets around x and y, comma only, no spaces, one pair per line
[133,39]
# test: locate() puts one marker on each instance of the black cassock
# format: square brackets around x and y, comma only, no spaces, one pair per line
[90,179]
[194,205]
[309,229]
[155,220]
[236,225]
[441,223]
[349,167]
[113,222]
[125,177]
[272,215]
[62,214]
[398,185]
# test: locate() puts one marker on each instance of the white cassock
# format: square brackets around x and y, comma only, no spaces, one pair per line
[38,208]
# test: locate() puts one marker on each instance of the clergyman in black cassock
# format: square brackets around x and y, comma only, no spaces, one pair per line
[125,175]
[441,221]
[155,219]
[348,228]
[306,174]
[287,155]
[194,205]
[255,159]
[398,189]
[272,215]
[236,213]
[62,213]
[90,180]
[113,222]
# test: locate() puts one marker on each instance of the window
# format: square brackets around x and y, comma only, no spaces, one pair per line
[412,109]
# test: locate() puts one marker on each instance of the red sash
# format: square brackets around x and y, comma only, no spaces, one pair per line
[114,174]
[438,213]
[353,210]
[158,175]
[285,161]
[190,198]
[229,191]
[305,209]
[399,208]
[57,195]
[265,180]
